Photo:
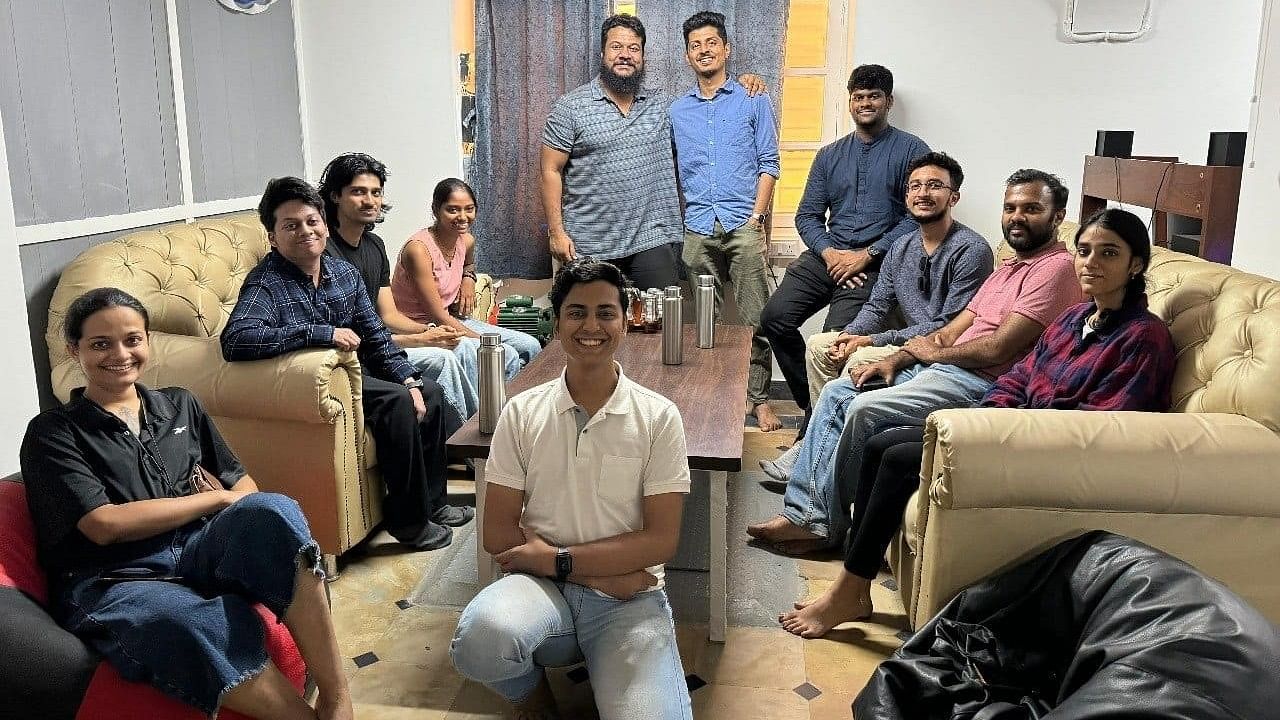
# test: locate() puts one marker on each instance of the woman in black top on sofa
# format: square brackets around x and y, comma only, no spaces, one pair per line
[157,543]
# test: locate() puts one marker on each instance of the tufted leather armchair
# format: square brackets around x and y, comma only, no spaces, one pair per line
[295,421]
[1000,486]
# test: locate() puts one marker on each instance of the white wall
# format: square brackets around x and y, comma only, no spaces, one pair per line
[991,83]
[1256,248]
[380,78]
[21,402]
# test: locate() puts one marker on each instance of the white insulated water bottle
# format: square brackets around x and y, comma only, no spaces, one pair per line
[493,381]
[704,311]
[672,327]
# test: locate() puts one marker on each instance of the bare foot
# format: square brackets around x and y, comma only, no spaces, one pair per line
[779,529]
[765,418]
[540,705]
[848,600]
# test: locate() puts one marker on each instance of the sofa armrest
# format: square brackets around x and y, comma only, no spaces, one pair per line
[1166,463]
[298,386]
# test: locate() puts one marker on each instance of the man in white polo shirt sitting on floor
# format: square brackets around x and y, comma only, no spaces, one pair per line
[586,482]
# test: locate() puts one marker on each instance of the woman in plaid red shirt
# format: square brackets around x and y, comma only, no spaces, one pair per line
[1109,353]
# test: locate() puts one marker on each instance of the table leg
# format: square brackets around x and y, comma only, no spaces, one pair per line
[718,588]
[486,568]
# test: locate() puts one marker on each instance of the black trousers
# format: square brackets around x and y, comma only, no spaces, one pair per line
[653,268]
[805,290]
[889,476]
[411,453]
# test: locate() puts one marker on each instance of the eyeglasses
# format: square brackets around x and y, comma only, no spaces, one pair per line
[924,283]
[916,186]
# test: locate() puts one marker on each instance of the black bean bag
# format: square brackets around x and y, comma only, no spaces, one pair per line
[1100,626]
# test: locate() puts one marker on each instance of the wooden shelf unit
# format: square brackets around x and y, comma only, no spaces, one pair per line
[1208,193]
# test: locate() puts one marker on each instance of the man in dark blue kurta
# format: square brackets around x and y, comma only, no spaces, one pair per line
[851,212]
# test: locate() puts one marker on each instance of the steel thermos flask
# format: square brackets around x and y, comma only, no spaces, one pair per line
[493,381]
[672,327]
[704,311]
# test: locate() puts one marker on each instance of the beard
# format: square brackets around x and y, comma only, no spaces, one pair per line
[620,84]
[1034,239]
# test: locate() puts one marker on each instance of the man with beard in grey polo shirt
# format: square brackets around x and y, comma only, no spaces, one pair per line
[608,170]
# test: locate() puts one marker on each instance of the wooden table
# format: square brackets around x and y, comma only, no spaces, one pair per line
[709,388]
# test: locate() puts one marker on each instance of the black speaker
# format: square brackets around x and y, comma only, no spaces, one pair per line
[1226,148]
[1114,143]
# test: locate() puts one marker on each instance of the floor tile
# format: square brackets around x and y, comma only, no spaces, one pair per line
[754,657]
[359,627]
[844,660]
[474,701]
[373,711]
[419,636]
[831,706]
[727,702]
[400,684]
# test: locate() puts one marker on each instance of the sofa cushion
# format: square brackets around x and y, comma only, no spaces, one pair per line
[19,567]
[1226,330]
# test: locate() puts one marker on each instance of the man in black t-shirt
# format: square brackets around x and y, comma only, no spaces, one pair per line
[352,188]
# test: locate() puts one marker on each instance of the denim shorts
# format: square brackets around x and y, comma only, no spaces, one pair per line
[196,636]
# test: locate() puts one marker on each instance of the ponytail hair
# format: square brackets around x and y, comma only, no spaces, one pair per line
[1129,228]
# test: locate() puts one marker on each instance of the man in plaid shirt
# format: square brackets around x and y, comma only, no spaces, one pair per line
[298,297]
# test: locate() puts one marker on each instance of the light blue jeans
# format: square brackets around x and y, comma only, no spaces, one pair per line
[520,624]
[844,417]
[524,345]
[456,377]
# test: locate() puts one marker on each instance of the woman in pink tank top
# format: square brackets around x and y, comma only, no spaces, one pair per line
[434,280]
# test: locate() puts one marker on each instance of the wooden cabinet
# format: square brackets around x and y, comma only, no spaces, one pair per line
[1208,193]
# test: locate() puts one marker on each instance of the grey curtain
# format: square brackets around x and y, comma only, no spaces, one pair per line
[528,53]
[757,33]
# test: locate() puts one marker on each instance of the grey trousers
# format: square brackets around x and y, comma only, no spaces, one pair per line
[737,256]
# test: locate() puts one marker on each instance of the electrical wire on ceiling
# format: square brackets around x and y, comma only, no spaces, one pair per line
[1073,35]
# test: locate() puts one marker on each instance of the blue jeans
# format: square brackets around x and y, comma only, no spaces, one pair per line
[843,419]
[457,385]
[520,624]
[199,637]
[525,345]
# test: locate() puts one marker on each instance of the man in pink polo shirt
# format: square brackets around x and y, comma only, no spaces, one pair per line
[953,367]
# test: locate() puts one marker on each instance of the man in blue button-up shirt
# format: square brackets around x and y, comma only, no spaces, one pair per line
[727,157]
[851,212]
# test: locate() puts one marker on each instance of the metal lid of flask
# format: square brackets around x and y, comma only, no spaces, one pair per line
[490,340]
[673,291]
[706,281]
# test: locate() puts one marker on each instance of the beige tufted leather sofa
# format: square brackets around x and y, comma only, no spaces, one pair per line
[1201,483]
[295,421]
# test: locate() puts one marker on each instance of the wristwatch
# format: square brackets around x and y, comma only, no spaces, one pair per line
[874,252]
[412,383]
[759,217]
[564,564]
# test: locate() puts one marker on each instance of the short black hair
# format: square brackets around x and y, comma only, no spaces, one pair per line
[939,160]
[280,191]
[622,20]
[1053,182]
[706,18]
[340,172]
[871,77]
[93,301]
[582,270]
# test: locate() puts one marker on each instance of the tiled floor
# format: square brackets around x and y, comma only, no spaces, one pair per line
[398,654]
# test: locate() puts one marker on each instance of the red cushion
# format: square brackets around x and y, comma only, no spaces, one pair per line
[18,565]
